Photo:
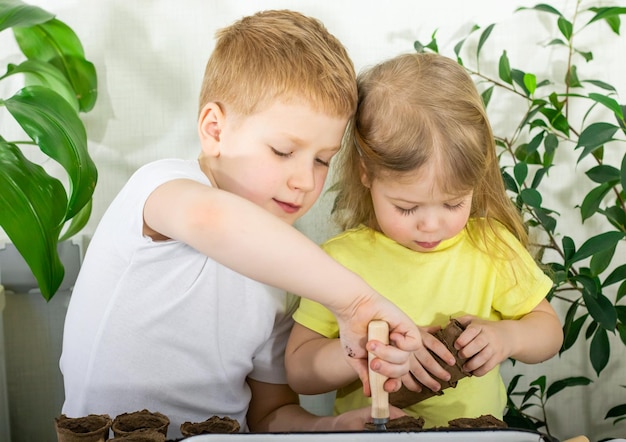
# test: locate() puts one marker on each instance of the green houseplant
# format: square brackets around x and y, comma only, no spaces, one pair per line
[37,210]
[566,120]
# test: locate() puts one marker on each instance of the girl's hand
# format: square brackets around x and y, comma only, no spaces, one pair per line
[485,343]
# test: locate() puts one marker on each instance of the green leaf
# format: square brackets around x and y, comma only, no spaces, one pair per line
[18,13]
[520,171]
[623,172]
[601,261]
[531,197]
[572,77]
[571,333]
[42,73]
[603,174]
[518,78]
[544,8]
[601,85]
[597,244]
[548,222]
[78,222]
[550,143]
[56,43]
[54,125]
[32,210]
[617,411]
[599,350]
[587,55]
[486,95]
[594,136]
[565,27]
[601,310]
[592,200]
[607,14]
[504,69]
[609,102]
[530,81]
[618,274]
[556,119]
[569,248]
[559,385]
[483,38]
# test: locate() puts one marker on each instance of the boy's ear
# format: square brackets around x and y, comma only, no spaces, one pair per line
[210,124]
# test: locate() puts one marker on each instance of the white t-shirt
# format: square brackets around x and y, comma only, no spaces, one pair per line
[159,326]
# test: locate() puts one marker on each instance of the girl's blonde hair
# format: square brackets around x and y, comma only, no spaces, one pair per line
[416,109]
[279,55]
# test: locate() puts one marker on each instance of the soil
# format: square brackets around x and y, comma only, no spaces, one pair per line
[129,422]
[405,398]
[91,428]
[408,423]
[215,424]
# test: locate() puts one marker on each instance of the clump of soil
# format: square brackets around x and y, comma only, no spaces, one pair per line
[405,398]
[144,435]
[91,428]
[215,424]
[484,421]
[138,420]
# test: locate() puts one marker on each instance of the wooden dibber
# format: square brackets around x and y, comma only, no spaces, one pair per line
[378,330]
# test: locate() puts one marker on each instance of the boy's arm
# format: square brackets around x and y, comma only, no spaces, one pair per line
[534,338]
[251,241]
[275,408]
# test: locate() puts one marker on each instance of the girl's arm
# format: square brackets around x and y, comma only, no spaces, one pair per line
[251,241]
[315,363]
[274,408]
[533,338]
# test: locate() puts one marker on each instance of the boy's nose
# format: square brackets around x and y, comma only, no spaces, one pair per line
[302,178]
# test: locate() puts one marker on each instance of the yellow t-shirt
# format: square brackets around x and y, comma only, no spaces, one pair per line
[454,279]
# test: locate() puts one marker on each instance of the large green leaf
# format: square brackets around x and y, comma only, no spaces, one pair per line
[56,43]
[594,136]
[54,125]
[32,211]
[599,350]
[18,13]
[601,309]
[559,385]
[45,74]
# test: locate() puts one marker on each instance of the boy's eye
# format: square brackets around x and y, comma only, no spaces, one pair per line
[406,211]
[322,162]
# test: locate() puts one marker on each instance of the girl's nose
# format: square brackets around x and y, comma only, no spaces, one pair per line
[302,177]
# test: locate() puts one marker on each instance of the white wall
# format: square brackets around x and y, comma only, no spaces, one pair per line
[150,56]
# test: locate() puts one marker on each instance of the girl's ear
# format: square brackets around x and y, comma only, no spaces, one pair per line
[210,124]
[365,179]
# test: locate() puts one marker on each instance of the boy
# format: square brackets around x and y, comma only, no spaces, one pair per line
[162,316]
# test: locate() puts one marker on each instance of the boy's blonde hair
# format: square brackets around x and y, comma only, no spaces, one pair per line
[419,109]
[279,55]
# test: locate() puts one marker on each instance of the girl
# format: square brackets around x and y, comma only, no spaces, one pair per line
[428,224]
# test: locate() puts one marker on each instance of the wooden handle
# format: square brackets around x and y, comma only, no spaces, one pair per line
[378,330]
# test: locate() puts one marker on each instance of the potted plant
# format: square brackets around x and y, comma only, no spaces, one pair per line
[37,210]
[560,119]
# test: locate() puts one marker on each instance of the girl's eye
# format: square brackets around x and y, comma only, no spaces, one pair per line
[406,212]
[455,206]
[280,154]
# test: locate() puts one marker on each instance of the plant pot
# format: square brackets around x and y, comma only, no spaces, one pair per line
[127,423]
[144,435]
[91,428]
[215,424]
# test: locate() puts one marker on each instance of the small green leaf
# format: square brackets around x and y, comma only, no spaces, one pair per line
[599,350]
[530,81]
[531,197]
[520,171]
[596,244]
[601,310]
[617,411]
[569,248]
[559,385]
[594,136]
[618,274]
[565,27]
[483,38]
[603,174]
[504,70]
[601,85]
[486,95]
[601,261]
[591,202]
[572,77]
[608,14]
[609,102]
[570,335]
